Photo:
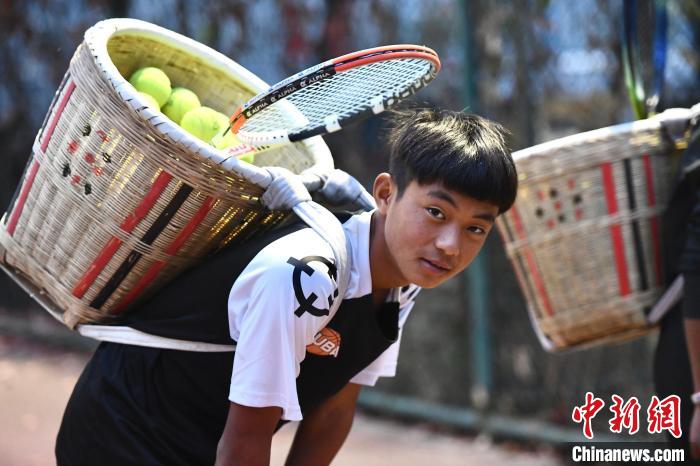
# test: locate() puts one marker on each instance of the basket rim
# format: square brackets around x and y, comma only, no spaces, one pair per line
[669,117]
[96,39]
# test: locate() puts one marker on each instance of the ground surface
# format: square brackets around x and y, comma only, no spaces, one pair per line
[36,380]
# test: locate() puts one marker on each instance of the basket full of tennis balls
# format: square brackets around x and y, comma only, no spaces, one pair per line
[134,176]
[183,107]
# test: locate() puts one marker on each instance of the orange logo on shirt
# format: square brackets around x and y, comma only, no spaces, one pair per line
[326,343]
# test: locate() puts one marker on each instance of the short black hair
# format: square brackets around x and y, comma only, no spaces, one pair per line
[463,151]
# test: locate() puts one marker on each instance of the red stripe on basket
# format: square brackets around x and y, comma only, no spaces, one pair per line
[19,206]
[615,230]
[532,264]
[127,225]
[653,221]
[174,247]
[57,116]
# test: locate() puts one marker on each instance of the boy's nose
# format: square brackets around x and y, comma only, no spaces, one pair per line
[448,241]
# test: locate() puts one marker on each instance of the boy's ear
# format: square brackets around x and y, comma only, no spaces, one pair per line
[383,190]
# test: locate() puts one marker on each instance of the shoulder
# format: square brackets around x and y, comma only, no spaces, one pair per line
[299,267]
[303,251]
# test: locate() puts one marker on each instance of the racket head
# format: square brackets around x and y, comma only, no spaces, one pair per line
[325,97]
[644,44]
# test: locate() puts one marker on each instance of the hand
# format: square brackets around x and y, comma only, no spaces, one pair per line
[694,438]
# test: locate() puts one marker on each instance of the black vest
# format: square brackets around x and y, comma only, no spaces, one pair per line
[194,307]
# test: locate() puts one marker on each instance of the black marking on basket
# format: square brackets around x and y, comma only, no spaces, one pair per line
[88,188]
[106,157]
[577,199]
[158,225]
[87,129]
[553,193]
[66,169]
[539,212]
[636,234]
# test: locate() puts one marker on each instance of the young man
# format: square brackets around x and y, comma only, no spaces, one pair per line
[450,176]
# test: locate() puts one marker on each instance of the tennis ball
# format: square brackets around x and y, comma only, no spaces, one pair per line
[224,139]
[204,123]
[181,101]
[249,157]
[150,101]
[153,81]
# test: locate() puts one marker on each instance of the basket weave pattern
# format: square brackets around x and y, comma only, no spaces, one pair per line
[101,174]
[584,235]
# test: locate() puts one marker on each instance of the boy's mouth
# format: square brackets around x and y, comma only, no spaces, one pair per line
[435,266]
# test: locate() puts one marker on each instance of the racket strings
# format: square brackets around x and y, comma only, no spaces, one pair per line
[342,96]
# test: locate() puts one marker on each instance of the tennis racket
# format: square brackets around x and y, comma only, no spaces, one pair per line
[319,100]
[324,98]
[644,44]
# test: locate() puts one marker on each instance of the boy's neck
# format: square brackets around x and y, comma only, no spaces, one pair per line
[383,270]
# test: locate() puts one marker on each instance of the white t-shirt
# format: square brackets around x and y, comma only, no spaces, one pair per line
[273,328]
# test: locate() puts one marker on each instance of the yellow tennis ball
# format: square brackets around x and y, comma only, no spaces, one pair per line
[150,101]
[152,81]
[204,123]
[181,101]
[222,122]
[225,139]
[249,157]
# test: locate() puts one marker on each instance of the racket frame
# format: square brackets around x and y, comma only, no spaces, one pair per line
[321,72]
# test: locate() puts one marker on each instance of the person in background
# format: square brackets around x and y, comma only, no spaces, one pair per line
[677,358]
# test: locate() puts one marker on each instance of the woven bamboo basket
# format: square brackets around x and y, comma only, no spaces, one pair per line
[584,235]
[117,199]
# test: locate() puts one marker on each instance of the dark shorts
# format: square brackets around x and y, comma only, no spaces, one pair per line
[122,411]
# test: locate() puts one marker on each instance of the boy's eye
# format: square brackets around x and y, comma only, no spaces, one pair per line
[435,212]
[477,229]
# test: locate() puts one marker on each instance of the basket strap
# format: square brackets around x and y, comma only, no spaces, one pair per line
[338,188]
[131,336]
[287,191]
[670,298]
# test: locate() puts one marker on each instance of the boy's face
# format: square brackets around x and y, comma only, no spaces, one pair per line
[431,232]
